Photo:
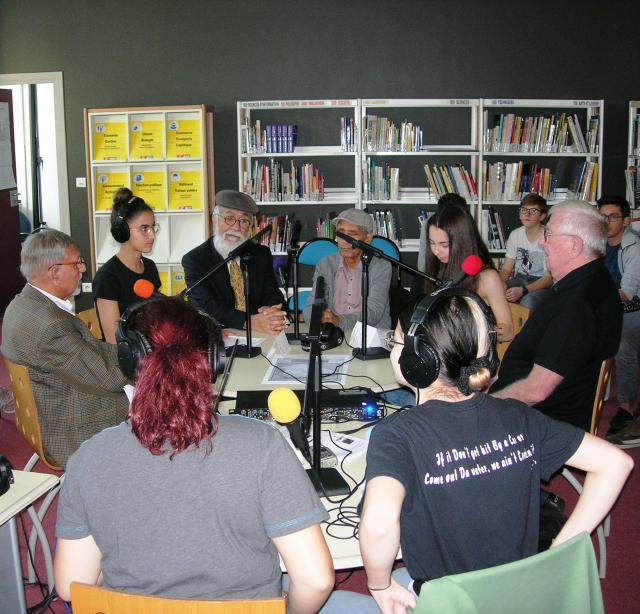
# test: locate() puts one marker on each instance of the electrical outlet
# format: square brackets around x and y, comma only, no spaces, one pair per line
[81,182]
[86,287]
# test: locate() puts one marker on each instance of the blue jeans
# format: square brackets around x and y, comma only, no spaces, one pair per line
[343,602]
[627,359]
[533,299]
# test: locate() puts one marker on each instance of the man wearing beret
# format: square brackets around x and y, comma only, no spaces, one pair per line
[342,274]
[222,295]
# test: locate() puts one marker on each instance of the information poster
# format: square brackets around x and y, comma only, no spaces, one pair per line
[145,140]
[183,138]
[109,140]
[164,282]
[178,282]
[107,184]
[185,190]
[151,187]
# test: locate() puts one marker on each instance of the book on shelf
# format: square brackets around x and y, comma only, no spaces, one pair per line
[584,180]
[512,180]
[278,181]
[282,228]
[381,134]
[380,181]
[275,138]
[325,228]
[348,133]
[492,229]
[451,178]
[384,222]
[540,134]
[633,187]
[636,132]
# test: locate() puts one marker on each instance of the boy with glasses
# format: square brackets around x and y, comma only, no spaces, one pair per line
[622,260]
[524,270]
[222,295]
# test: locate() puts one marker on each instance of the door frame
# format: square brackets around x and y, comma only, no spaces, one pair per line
[54,78]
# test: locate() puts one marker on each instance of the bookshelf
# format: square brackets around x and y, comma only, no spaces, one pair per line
[633,155]
[552,147]
[165,156]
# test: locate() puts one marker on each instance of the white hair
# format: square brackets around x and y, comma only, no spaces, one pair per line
[582,219]
[43,249]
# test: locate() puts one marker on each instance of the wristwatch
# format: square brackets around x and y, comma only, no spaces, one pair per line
[525,290]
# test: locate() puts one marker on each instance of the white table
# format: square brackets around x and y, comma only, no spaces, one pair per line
[28,487]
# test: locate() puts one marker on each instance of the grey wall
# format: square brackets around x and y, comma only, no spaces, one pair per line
[136,53]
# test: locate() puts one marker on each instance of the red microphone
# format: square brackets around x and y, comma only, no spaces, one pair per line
[143,288]
[470,266]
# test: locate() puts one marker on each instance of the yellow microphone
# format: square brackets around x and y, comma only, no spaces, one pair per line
[284,407]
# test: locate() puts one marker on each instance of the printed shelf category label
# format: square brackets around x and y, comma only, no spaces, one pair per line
[109,140]
[183,139]
[151,187]
[145,140]
[107,184]
[185,190]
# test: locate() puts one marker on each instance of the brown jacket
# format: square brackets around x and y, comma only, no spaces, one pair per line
[76,380]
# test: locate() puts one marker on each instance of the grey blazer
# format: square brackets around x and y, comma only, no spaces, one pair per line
[76,381]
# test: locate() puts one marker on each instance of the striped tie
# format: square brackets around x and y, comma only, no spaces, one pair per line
[237,284]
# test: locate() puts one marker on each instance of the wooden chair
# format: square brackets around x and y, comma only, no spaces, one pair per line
[87,599]
[29,425]
[519,315]
[90,318]
[602,532]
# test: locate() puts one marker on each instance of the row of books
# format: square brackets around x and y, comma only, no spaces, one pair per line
[325,228]
[385,225]
[275,138]
[636,132]
[348,134]
[380,182]
[282,228]
[541,134]
[381,134]
[492,229]
[280,181]
[633,186]
[512,180]
[584,183]
[451,178]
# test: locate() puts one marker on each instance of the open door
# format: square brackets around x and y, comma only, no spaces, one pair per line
[11,282]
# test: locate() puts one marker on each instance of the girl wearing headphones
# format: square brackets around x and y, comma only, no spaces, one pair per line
[452,236]
[133,226]
[456,480]
[179,501]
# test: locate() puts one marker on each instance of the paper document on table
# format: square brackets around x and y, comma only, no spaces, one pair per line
[374,337]
[292,369]
[230,341]
[342,445]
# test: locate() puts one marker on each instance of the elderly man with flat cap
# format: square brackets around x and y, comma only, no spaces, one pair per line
[222,295]
[342,274]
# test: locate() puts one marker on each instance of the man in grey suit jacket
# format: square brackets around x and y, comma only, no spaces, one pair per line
[76,381]
[342,274]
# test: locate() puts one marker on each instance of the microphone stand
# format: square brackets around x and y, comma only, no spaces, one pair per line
[326,480]
[364,353]
[246,351]
[294,337]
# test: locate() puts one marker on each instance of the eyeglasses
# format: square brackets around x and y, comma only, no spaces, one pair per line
[80,262]
[548,234]
[146,229]
[527,211]
[612,217]
[229,220]
[389,340]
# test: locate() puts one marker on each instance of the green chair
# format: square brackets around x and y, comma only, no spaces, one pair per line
[562,580]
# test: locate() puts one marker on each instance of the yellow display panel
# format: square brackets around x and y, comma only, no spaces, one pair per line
[151,187]
[165,287]
[109,140]
[145,140]
[185,190]
[183,138]
[178,282]
[106,185]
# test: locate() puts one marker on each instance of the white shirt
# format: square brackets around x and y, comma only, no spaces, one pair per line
[63,304]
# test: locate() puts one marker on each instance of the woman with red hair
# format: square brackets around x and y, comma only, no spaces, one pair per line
[178,501]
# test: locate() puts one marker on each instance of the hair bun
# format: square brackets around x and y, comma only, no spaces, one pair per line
[472,369]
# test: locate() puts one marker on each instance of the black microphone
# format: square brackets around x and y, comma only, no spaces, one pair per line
[284,407]
[234,253]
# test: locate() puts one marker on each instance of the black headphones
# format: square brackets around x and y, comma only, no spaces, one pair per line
[6,474]
[119,227]
[133,346]
[419,362]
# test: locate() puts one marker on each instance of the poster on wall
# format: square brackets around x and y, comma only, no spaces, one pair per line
[183,138]
[145,140]
[109,139]
[185,190]
[107,184]
[151,187]
[7,178]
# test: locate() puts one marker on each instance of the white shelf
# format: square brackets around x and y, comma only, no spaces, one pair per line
[320,150]
[454,150]
[535,103]
[532,154]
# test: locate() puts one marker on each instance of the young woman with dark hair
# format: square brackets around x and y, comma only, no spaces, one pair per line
[133,225]
[452,236]
[180,502]
[455,481]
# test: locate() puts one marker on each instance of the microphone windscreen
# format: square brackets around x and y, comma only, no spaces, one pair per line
[471,265]
[284,405]
[143,288]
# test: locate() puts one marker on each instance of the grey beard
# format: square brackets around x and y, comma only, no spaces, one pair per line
[222,246]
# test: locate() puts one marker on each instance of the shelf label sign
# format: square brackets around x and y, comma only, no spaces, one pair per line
[107,184]
[183,138]
[178,282]
[151,187]
[185,190]
[145,140]
[109,141]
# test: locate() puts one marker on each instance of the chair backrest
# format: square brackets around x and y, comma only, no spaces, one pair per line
[26,410]
[562,580]
[315,250]
[601,389]
[87,599]
[90,318]
[519,315]
[390,248]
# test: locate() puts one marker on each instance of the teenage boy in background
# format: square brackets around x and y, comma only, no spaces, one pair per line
[524,270]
